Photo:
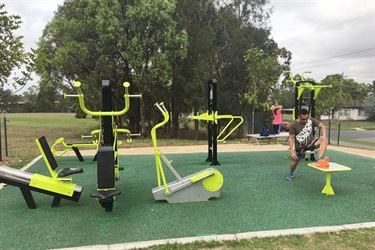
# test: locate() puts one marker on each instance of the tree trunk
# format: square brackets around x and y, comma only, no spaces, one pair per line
[175,123]
[252,119]
[196,127]
[143,119]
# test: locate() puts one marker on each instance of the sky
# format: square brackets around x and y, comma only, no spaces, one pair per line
[325,36]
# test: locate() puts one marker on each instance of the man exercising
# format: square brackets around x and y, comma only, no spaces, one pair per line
[301,136]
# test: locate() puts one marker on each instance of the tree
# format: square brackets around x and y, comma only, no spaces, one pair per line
[263,71]
[12,53]
[369,102]
[369,107]
[134,41]
[357,91]
[242,25]
[167,51]
[342,91]
[190,74]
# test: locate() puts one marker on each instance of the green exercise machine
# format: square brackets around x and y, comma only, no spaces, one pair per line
[60,147]
[212,118]
[106,140]
[305,95]
[59,184]
[200,186]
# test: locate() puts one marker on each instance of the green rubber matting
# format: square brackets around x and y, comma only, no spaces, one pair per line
[255,197]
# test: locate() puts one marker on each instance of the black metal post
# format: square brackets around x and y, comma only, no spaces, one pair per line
[209,128]
[338,133]
[329,131]
[5,137]
[296,101]
[214,124]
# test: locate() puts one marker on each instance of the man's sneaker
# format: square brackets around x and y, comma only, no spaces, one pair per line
[322,163]
[289,177]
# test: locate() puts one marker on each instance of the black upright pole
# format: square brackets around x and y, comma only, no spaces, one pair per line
[107,107]
[296,101]
[5,137]
[214,123]
[209,128]
[312,113]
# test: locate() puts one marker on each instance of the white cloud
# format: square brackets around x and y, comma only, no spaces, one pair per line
[325,36]
[34,16]
[328,37]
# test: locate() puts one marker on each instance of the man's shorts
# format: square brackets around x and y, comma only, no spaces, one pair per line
[301,153]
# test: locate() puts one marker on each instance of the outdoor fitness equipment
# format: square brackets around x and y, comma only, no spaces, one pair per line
[94,144]
[200,186]
[333,167]
[107,150]
[302,101]
[59,185]
[28,182]
[213,118]
[302,86]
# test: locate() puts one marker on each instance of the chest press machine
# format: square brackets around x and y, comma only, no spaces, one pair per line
[199,186]
[108,169]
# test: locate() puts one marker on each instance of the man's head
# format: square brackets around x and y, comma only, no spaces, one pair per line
[303,115]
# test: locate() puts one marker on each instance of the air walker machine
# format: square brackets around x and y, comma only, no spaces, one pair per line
[200,186]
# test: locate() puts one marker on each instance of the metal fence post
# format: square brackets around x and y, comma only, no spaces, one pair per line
[5,137]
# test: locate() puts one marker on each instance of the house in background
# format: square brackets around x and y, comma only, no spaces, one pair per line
[352,110]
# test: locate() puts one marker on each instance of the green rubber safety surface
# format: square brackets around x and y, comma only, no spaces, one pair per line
[254,197]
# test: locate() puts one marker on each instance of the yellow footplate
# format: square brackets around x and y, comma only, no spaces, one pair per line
[214,182]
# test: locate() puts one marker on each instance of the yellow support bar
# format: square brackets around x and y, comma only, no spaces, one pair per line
[232,118]
[214,117]
[159,166]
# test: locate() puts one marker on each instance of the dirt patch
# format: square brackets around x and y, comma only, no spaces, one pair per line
[239,147]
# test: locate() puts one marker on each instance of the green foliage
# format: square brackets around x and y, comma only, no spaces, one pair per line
[263,71]
[135,41]
[357,91]
[333,97]
[79,113]
[13,56]
[167,50]
[342,91]
[369,107]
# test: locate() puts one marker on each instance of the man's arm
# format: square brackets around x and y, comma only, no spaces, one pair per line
[322,128]
[291,146]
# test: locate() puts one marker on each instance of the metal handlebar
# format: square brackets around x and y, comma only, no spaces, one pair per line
[303,73]
[289,74]
[80,96]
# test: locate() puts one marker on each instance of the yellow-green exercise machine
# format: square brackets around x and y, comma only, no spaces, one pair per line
[200,186]
[305,95]
[212,118]
[108,167]
[60,147]
[333,167]
[59,184]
